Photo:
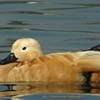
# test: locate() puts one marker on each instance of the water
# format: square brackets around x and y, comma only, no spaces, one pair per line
[59,25]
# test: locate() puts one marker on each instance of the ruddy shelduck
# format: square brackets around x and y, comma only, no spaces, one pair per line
[26,62]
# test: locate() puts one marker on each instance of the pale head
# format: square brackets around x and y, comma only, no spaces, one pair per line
[26,49]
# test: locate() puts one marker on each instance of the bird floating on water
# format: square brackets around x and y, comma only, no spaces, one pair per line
[26,63]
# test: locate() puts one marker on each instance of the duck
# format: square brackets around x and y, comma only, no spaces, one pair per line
[26,62]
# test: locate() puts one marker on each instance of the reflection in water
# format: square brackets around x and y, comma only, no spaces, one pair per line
[47,88]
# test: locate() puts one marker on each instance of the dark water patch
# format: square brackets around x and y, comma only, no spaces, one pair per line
[65,8]
[18,23]
[12,2]
[20,12]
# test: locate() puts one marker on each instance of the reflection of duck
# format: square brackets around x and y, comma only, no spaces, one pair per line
[22,89]
[27,63]
[29,88]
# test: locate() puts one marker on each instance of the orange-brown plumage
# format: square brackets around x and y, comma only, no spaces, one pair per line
[34,66]
[47,68]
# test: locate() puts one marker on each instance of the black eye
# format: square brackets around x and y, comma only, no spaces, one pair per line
[24,48]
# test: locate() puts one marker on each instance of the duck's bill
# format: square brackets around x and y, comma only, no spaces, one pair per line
[9,59]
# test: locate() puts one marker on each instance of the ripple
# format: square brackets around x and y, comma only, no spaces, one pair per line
[50,30]
[18,23]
